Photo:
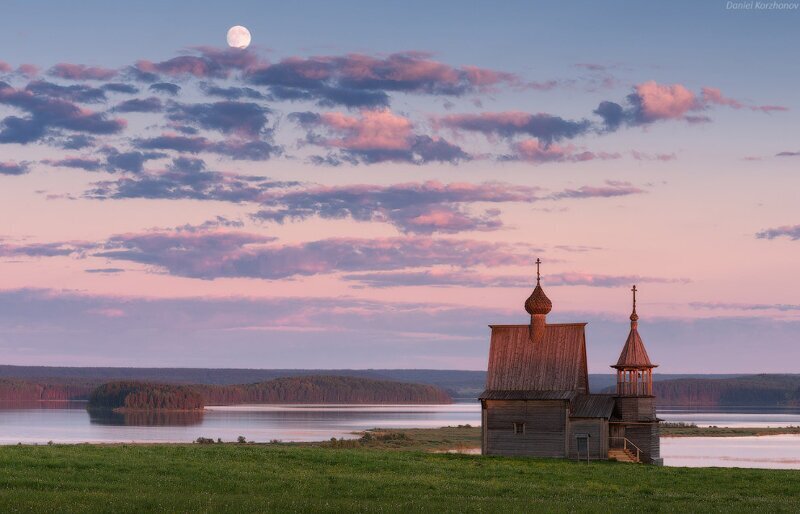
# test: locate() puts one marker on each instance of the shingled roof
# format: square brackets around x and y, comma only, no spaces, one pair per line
[633,353]
[557,363]
[592,406]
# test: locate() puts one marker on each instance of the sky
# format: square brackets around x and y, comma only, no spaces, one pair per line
[368,184]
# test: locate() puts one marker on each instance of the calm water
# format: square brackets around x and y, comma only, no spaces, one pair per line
[71,423]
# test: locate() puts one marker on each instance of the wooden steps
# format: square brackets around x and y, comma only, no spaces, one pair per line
[621,455]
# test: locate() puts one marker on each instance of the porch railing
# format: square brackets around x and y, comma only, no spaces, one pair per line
[628,445]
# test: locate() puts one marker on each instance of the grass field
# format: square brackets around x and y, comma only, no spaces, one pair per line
[284,478]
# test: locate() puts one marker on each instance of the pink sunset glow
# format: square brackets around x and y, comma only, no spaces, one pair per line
[302,205]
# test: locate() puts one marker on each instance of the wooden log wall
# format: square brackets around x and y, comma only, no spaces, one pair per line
[546,427]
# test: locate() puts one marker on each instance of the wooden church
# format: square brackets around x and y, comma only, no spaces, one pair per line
[537,400]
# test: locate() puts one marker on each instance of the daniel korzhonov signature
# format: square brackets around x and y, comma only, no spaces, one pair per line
[762,6]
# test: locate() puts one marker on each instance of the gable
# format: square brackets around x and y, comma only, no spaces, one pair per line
[558,363]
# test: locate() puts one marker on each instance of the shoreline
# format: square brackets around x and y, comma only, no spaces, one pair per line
[462,438]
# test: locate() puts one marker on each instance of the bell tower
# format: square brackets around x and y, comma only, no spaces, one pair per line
[634,369]
[635,424]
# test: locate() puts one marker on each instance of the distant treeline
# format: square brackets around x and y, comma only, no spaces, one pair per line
[457,383]
[12,390]
[749,390]
[323,389]
[132,396]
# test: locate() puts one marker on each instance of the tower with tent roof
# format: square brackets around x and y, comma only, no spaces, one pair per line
[537,400]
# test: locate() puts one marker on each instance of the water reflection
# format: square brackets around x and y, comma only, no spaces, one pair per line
[145,418]
[69,422]
[774,451]
[258,423]
[732,416]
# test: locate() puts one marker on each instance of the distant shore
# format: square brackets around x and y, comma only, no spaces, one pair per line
[684,430]
[463,438]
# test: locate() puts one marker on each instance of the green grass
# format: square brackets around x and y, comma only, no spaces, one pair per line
[462,437]
[296,478]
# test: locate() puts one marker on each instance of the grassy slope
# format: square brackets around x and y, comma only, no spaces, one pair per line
[238,478]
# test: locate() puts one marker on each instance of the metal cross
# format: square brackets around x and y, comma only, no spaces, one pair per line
[538,276]
[634,297]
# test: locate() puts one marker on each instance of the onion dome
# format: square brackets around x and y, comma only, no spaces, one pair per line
[538,302]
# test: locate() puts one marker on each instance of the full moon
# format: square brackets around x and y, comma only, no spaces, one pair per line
[238,37]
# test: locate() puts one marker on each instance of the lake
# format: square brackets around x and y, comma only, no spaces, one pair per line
[69,422]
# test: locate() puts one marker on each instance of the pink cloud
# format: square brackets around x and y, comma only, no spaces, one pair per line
[218,254]
[613,188]
[28,70]
[642,156]
[81,72]
[532,150]
[107,312]
[5,67]
[712,95]
[482,77]
[661,101]
[374,130]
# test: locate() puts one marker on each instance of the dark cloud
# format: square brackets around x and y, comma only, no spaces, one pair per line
[14,168]
[79,93]
[414,207]
[165,88]
[184,179]
[209,63]
[54,249]
[151,104]
[217,222]
[172,142]
[613,115]
[119,87]
[104,270]
[231,93]
[21,130]
[76,142]
[449,278]
[533,151]
[435,279]
[329,96]
[210,255]
[244,119]
[545,127]
[132,161]
[76,162]
[363,81]
[787,154]
[610,190]
[49,113]
[233,148]
[789,231]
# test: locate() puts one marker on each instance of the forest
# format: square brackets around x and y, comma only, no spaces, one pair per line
[745,391]
[128,395]
[20,384]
